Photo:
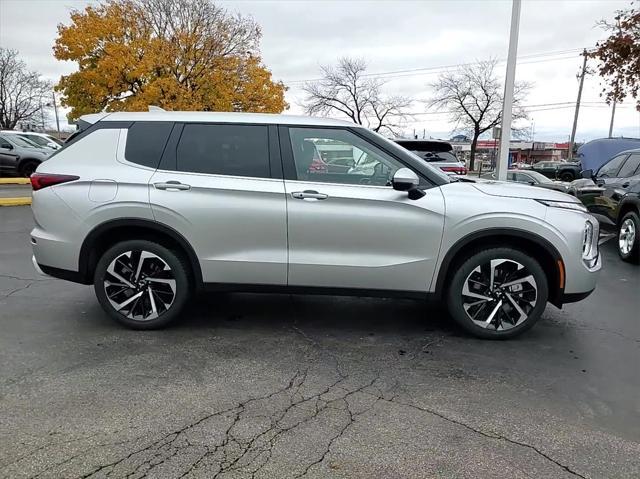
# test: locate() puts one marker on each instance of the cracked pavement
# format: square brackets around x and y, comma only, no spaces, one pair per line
[264,386]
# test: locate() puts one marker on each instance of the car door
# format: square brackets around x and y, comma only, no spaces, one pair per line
[8,155]
[353,230]
[607,177]
[220,185]
[616,188]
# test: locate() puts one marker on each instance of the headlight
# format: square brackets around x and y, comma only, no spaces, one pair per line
[567,205]
[590,243]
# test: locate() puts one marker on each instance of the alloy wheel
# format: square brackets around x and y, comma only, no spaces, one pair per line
[499,294]
[627,236]
[139,285]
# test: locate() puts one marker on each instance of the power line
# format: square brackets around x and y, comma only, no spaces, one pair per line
[437,69]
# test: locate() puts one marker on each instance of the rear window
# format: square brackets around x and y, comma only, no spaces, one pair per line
[234,150]
[146,141]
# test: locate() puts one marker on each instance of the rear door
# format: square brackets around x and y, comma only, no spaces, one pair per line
[220,186]
[352,229]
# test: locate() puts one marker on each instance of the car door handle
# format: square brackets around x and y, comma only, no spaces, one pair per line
[309,195]
[171,185]
[626,185]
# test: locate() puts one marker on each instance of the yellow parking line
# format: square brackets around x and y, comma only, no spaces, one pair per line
[25,200]
[14,181]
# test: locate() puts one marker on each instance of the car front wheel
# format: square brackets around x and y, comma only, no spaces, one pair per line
[142,284]
[497,293]
[629,238]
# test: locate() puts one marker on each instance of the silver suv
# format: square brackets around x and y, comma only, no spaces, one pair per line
[152,207]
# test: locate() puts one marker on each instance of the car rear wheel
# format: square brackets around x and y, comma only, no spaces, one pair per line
[567,176]
[498,293]
[629,238]
[142,284]
[28,168]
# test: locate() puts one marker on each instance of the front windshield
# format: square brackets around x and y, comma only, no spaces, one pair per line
[540,178]
[20,141]
[38,140]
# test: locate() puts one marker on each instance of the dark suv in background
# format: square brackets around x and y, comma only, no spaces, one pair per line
[558,170]
[615,200]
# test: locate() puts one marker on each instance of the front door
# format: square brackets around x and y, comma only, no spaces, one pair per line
[351,229]
[217,187]
[616,188]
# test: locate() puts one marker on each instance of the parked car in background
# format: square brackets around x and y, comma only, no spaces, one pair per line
[558,170]
[534,178]
[40,139]
[152,207]
[436,152]
[19,155]
[520,166]
[615,200]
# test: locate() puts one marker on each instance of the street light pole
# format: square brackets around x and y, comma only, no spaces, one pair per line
[505,136]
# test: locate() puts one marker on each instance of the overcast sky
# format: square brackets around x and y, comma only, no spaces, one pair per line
[298,36]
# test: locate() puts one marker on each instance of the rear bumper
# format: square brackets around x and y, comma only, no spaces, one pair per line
[36,266]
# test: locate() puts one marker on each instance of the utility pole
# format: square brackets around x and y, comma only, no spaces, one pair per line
[613,114]
[505,134]
[55,109]
[583,72]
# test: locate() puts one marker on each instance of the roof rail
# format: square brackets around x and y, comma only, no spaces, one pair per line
[155,108]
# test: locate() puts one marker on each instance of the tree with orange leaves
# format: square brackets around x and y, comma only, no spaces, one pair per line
[176,54]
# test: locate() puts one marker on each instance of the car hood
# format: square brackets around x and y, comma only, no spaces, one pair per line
[517,190]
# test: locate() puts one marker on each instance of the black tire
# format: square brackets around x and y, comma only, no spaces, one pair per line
[567,176]
[633,255]
[464,271]
[179,271]
[28,168]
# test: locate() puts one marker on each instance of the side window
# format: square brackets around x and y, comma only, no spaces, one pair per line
[234,150]
[511,176]
[146,141]
[522,178]
[610,169]
[630,166]
[352,161]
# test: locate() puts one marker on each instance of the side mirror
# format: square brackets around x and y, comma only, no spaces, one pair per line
[531,182]
[588,174]
[6,146]
[406,180]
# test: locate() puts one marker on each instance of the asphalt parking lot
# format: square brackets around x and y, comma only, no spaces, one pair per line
[300,386]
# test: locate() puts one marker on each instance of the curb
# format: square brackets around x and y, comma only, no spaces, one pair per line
[21,201]
[14,181]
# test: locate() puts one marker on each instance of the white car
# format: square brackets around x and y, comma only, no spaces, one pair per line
[41,139]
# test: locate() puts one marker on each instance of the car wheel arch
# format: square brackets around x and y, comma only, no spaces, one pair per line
[106,234]
[540,248]
[628,204]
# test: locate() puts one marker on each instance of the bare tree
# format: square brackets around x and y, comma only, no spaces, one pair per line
[22,93]
[472,95]
[346,89]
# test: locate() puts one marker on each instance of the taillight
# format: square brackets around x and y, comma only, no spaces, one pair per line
[42,180]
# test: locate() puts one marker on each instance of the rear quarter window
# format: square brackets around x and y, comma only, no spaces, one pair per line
[146,141]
